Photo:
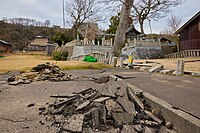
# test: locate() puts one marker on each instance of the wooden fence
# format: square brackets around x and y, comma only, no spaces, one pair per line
[186,53]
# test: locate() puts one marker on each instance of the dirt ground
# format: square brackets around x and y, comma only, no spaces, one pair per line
[171,63]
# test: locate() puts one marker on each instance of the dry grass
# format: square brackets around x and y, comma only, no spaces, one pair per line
[24,62]
[171,63]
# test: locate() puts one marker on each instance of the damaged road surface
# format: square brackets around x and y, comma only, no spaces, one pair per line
[20,105]
[100,104]
[111,108]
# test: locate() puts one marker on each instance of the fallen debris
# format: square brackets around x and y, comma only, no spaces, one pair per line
[134,98]
[74,123]
[153,117]
[166,72]
[156,68]
[128,129]
[101,80]
[142,69]
[41,72]
[118,109]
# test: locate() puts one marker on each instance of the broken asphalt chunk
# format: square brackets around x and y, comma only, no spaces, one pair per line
[83,105]
[74,123]
[83,92]
[101,80]
[128,129]
[101,99]
[127,105]
[153,117]
[122,118]
[134,98]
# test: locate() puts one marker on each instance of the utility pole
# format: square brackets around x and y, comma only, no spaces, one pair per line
[150,26]
[63,5]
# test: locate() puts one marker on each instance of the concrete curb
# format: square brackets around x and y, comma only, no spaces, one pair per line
[182,121]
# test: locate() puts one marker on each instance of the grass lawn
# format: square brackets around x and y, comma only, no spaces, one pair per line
[24,62]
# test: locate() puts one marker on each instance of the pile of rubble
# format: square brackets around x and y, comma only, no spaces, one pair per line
[41,72]
[114,108]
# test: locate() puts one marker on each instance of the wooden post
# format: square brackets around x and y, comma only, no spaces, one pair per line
[115,61]
[111,42]
[105,58]
[198,53]
[190,54]
[121,60]
[194,54]
[110,59]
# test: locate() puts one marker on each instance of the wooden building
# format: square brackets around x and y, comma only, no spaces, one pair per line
[38,44]
[132,34]
[189,34]
[6,47]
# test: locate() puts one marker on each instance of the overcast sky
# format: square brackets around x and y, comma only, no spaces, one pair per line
[52,10]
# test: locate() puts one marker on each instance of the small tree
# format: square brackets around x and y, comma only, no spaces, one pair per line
[173,24]
[61,38]
[114,22]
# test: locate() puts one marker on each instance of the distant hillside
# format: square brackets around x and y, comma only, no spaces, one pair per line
[20,35]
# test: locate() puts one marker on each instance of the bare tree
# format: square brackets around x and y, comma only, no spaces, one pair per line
[123,24]
[27,22]
[173,23]
[125,12]
[81,11]
[152,10]
[47,23]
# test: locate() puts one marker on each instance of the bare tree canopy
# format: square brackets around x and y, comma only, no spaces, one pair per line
[27,22]
[80,11]
[173,23]
[152,10]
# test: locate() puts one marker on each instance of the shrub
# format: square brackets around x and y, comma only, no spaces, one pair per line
[60,56]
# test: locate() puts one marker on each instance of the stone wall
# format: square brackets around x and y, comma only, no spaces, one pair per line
[149,53]
[83,50]
[69,49]
[144,52]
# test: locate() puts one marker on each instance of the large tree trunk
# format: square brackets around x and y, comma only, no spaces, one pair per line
[141,23]
[75,30]
[122,27]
